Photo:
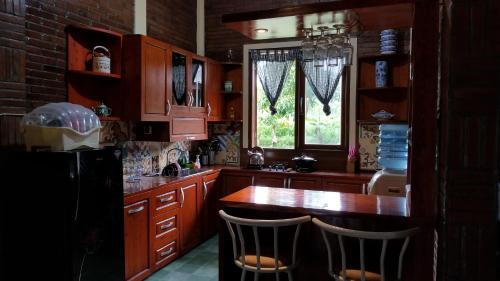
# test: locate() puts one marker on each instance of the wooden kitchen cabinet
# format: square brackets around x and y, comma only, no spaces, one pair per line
[215,101]
[304,182]
[344,185]
[137,239]
[189,213]
[210,211]
[146,71]
[236,181]
[271,180]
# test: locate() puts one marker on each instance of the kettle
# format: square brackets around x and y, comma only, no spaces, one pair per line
[256,157]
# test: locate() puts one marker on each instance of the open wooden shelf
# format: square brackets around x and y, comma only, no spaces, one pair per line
[231,63]
[390,121]
[94,74]
[389,57]
[232,93]
[226,121]
[84,86]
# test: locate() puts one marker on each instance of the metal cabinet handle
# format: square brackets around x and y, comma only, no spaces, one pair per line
[205,190]
[209,109]
[136,210]
[190,137]
[167,252]
[289,182]
[285,180]
[168,225]
[190,96]
[169,107]
[163,200]
[253,180]
[182,197]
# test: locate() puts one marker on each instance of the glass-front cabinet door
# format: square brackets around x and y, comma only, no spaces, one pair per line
[196,99]
[179,75]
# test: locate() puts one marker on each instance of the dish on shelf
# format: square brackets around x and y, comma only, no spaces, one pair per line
[383,115]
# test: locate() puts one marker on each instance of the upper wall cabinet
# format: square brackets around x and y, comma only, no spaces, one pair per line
[167,84]
[146,70]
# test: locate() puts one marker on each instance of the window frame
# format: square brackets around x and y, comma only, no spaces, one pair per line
[331,152]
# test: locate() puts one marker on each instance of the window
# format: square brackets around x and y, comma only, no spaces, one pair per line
[300,123]
[321,129]
[278,130]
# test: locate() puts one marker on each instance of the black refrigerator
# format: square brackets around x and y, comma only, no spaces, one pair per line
[62,215]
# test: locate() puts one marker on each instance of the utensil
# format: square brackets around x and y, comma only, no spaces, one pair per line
[383,115]
[304,163]
[256,157]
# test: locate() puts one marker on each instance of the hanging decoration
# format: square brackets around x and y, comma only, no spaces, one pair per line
[273,66]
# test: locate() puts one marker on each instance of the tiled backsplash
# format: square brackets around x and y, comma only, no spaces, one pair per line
[153,155]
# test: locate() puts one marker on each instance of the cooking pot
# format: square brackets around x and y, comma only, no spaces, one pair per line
[304,163]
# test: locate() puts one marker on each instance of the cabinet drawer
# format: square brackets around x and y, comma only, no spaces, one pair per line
[166,254]
[166,228]
[188,128]
[165,201]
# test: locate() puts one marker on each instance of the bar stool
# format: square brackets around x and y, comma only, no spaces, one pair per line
[260,263]
[361,274]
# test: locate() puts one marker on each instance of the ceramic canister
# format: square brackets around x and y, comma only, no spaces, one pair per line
[381,69]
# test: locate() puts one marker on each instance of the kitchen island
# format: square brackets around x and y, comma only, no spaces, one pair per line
[357,211]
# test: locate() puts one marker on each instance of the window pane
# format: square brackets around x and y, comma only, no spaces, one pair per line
[277,131]
[319,128]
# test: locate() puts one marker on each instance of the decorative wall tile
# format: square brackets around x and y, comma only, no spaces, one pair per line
[229,136]
[368,143]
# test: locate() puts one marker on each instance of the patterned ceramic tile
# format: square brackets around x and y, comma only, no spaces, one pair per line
[368,144]
[228,135]
[152,156]
[114,132]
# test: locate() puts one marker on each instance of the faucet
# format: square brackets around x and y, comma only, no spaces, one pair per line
[182,153]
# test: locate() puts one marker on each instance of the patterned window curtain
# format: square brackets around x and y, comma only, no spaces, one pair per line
[273,66]
[323,81]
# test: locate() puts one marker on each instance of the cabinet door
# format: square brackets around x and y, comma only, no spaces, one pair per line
[179,80]
[332,184]
[304,182]
[137,235]
[214,96]
[270,180]
[155,82]
[211,193]
[189,214]
[188,128]
[197,90]
[235,182]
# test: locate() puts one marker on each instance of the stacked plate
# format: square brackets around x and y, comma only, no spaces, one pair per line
[388,41]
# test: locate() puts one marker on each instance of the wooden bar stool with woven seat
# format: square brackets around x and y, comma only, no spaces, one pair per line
[259,263]
[361,274]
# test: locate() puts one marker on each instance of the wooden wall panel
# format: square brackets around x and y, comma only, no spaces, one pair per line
[470,137]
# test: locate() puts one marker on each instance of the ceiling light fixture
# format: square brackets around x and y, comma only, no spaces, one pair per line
[261,30]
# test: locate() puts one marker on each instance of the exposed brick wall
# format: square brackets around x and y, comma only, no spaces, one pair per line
[12,56]
[46,40]
[173,21]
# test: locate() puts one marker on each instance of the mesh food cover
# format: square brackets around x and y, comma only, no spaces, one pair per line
[63,115]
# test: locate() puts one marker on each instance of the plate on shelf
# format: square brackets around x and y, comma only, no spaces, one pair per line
[383,115]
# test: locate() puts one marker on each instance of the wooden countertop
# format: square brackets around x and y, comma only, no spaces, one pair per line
[316,202]
[149,183]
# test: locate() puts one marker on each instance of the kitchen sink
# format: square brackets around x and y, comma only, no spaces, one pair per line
[189,172]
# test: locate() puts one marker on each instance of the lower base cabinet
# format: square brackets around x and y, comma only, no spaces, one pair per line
[167,222]
[137,239]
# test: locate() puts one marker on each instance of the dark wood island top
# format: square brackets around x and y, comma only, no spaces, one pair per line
[316,202]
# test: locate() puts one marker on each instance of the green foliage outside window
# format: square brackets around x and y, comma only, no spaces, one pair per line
[278,131]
